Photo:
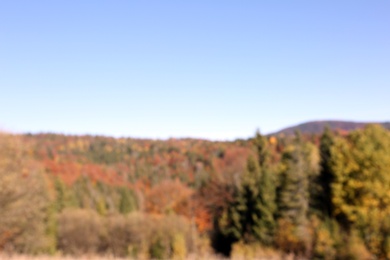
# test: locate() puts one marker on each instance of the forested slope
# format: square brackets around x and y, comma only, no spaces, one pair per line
[322,196]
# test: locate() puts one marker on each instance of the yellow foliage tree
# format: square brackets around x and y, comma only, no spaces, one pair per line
[360,191]
[24,201]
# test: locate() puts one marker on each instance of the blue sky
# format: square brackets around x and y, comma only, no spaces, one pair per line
[209,69]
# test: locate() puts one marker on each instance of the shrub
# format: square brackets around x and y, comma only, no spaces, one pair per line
[325,238]
[179,246]
[171,237]
[354,249]
[128,235]
[253,251]
[292,239]
[80,231]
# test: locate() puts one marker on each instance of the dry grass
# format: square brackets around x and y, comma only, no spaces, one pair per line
[89,257]
[59,257]
[94,257]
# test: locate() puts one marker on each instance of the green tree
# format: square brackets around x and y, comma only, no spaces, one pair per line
[64,196]
[262,149]
[243,213]
[300,162]
[128,202]
[267,191]
[320,190]
[250,217]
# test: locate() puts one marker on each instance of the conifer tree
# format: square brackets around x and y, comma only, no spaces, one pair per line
[267,191]
[250,217]
[299,164]
[64,196]
[127,201]
[242,214]
[320,190]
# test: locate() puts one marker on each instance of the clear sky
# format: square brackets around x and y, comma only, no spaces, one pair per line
[214,69]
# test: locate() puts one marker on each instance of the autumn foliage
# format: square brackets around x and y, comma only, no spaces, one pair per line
[311,196]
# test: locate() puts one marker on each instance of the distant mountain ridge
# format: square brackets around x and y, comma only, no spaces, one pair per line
[317,127]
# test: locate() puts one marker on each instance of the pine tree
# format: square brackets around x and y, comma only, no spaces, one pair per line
[320,190]
[127,201]
[262,150]
[250,217]
[267,192]
[299,164]
[244,210]
[64,196]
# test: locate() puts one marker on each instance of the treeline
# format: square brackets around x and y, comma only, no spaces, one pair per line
[314,196]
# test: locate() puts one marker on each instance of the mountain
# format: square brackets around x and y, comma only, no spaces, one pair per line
[316,127]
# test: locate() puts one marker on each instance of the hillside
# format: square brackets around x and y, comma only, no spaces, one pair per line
[316,127]
[144,198]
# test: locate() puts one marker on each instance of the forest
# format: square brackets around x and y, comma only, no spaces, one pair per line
[306,195]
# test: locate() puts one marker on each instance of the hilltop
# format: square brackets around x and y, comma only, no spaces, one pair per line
[316,127]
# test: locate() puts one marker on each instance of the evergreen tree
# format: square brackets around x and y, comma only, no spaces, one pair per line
[250,217]
[267,191]
[299,164]
[243,213]
[127,201]
[320,190]
[262,150]
[64,196]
